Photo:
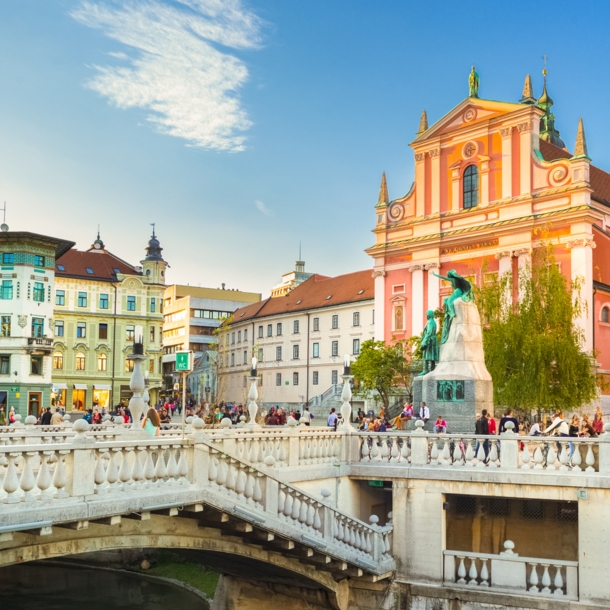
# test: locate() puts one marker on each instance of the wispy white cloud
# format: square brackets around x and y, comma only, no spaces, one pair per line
[175,70]
[261,207]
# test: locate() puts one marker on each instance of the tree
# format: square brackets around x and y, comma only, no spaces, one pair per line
[533,348]
[382,367]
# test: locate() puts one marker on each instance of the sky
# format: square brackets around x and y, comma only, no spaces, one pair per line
[245,127]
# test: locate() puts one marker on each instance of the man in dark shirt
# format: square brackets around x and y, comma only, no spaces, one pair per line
[45,419]
[508,416]
[482,427]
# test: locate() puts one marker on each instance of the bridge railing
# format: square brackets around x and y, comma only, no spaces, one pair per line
[506,451]
[54,476]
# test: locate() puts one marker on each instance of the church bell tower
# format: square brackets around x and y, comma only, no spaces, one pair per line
[153,265]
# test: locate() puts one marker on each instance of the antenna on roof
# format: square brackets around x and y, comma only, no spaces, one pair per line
[300,251]
[4,226]
[152,224]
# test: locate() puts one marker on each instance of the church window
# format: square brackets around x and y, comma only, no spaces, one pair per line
[471,187]
[398,317]
[605,311]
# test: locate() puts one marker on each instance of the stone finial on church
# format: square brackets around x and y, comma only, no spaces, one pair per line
[383,191]
[528,91]
[580,149]
[423,123]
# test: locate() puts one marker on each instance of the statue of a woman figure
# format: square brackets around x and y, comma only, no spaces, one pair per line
[461,288]
[429,344]
[473,84]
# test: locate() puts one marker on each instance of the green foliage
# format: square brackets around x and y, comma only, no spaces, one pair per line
[382,367]
[173,566]
[533,349]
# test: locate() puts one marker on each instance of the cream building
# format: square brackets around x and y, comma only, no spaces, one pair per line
[99,300]
[299,340]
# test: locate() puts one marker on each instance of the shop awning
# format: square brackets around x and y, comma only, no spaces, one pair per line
[80,386]
[101,386]
[61,386]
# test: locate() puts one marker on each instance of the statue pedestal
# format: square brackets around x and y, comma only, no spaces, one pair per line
[460,386]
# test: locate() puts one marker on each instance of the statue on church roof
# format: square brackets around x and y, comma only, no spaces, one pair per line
[462,288]
[473,83]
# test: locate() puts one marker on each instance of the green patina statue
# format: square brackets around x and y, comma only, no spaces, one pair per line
[461,288]
[429,344]
[473,83]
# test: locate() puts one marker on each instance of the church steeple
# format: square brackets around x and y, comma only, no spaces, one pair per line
[153,265]
[580,149]
[383,191]
[528,92]
[548,132]
[98,244]
[423,123]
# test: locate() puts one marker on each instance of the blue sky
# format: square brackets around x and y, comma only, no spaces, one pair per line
[242,128]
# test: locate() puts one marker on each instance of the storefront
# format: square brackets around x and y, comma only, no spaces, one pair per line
[101,395]
[79,396]
[58,395]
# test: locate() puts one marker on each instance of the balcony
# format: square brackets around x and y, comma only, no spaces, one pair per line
[40,345]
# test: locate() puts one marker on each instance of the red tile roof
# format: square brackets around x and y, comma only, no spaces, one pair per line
[313,294]
[102,263]
[599,179]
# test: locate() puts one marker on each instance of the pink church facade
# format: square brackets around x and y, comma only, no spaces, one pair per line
[488,177]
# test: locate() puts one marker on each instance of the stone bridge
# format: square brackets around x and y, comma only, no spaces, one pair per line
[290,505]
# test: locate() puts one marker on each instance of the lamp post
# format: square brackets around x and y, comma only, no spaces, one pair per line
[137,383]
[253,395]
[346,394]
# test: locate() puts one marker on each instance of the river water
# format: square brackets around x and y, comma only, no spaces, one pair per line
[53,587]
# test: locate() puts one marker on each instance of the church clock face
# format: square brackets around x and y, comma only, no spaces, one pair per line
[97,246]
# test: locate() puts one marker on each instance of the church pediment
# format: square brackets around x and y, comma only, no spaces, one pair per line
[470,112]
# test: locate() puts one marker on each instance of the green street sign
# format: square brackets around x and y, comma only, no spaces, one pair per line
[375,483]
[183,361]
[14,389]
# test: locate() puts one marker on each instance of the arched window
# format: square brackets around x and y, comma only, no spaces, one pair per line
[80,361]
[471,186]
[58,361]
[102,361]
[605,311]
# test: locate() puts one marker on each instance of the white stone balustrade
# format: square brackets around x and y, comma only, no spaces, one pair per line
[509,573]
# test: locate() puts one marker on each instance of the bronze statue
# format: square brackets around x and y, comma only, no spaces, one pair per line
[461,288]
[429,344]
[473,84]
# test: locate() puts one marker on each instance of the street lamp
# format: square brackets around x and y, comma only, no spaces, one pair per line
[137,382]
[346,394]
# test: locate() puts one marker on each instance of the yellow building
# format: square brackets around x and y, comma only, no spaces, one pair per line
[99,300]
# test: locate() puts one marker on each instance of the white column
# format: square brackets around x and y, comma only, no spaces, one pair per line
[455,186]
[433,286]
[484,180]
[379,277]
[581,264]
[507,162]
[417,299]
[505,266]
[523,260]
[525,158]
[420,184]
[435,180]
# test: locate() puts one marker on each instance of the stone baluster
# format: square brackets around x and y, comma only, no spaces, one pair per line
[525,456]
[472,573]
[459,457]
[558,582]
[149,468]
[480,458]
[538,457]
[394,451]
[10,484]
[446,454]
[384,453]
[27,482]
[375,457]
[461,572]
[434,452]
[160,466]
[60,476]
[546,579]
[484,574]
[534,579]
[137,472]
[564,456]
[43,480]
[183,466]
[470,456]
[125,469]
[590,459]
[172,464]
[405,451]
[303,510]
[576,458]
[493,455]
[551,457]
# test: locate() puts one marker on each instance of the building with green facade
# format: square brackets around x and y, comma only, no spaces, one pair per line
[99,300]
[26,318]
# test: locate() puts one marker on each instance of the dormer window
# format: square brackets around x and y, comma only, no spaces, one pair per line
[471,187]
